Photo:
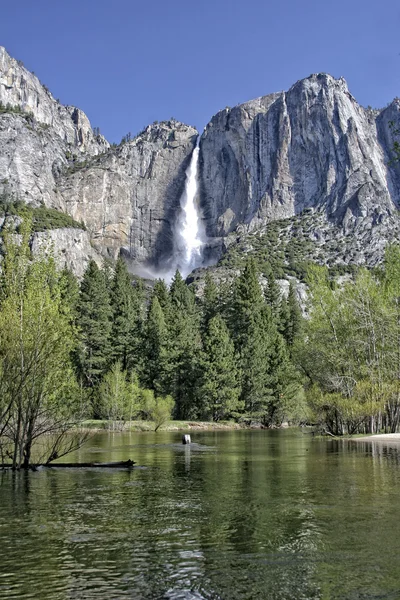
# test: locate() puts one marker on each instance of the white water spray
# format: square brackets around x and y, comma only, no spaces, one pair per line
[189,234]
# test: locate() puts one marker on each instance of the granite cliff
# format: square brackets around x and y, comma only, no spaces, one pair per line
[313,148]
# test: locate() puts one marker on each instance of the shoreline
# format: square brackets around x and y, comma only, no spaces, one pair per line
[148,426]
[378,437]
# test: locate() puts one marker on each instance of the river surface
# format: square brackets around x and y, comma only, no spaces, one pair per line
[237,515]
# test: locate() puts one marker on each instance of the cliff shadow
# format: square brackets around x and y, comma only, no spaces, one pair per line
[162,254]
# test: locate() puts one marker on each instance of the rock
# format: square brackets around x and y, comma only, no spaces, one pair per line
[70,247]
[129,198]
[19,87]
[312,148]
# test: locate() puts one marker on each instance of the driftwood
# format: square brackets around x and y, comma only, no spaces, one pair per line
[122,464]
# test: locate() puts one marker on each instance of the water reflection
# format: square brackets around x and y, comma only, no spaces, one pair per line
[252,515]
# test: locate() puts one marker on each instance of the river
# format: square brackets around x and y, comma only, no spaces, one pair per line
[237,515]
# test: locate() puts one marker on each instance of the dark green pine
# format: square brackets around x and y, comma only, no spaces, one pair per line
[126,314]
[94,320]
[155,348]
[220,388]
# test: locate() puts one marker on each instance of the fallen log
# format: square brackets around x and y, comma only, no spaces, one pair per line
[125,464]
[122,464]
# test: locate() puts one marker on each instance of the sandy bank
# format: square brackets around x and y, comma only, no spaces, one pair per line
[381,437]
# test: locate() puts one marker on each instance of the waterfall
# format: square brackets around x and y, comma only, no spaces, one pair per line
[189,234]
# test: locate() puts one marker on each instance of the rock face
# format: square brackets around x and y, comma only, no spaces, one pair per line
[128,198]
[312,147]
[19,87]
[71,248]
[39,137]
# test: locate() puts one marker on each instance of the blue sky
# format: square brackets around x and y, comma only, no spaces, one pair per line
[127,63]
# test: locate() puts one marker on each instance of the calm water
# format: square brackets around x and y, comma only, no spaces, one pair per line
[274,515]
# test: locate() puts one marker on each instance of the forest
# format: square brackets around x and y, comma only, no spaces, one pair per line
[111,348]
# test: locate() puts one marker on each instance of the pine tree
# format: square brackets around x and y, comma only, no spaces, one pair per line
[295,316]
[220,388]
[156,363]
[126,317]
[94,320]
[210,301]
[255,358]
[180,295]
[247,303]
[253,330]
[272,294]
[162,293]
[69,289]
[183,349]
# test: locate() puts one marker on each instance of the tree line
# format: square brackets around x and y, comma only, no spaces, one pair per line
[225,355]
[109,348]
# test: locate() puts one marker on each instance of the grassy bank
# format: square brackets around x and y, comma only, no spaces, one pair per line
[102,425]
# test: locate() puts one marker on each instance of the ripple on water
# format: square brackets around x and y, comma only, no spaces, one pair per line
[253,517]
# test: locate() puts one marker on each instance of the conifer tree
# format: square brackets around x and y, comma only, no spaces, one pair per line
[255,362]
[162,293]
[125,315]
[220,389]
[180,295]
[183,349]
[94,320]
[247,303]
[272,294]
[156,363]
[209,302]
[295,316]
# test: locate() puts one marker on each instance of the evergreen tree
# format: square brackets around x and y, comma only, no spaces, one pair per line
[210,300]
[69,289]
[247,303]
[156,363]
[255,361]
[272,294]
[126,315]
[220,388]
[183,349]
[295,317]
[162,293]
[254,333]
[284,383]
[180,295]
[94,320]
[284,319]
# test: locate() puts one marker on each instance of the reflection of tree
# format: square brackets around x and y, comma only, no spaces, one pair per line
[258,528]
[261,515]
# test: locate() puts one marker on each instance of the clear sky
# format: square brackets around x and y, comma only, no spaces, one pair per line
[127,63]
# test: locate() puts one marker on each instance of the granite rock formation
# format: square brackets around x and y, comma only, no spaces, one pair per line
[311,148]
[129,197]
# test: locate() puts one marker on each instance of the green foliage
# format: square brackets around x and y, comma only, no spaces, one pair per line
[49,218]
[41,218]
[348,351]
[157,409]
[94,320]
[127,303]
[118,397]
[16,110]
[220,381]
[155,347]
[39,399]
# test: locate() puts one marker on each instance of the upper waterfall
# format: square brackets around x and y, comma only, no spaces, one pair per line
[189,234]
